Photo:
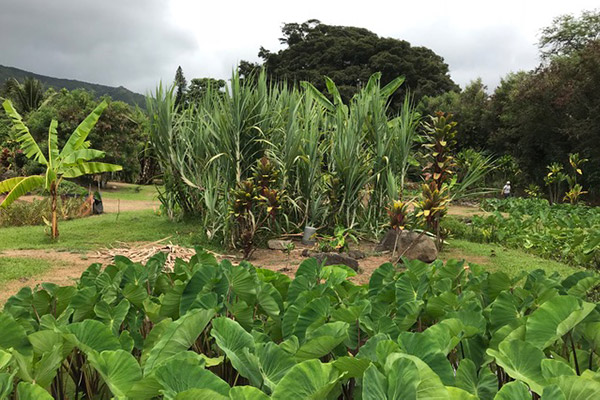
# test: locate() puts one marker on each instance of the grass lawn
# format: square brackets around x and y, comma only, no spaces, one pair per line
[126,191]
[100,231]
[497,258]
[17,267]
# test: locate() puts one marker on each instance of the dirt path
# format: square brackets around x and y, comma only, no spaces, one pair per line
[114,205]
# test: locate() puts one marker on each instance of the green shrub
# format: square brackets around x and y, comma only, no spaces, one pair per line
[209,330]
[37,212]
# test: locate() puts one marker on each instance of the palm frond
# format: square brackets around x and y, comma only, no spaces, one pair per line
[86,168]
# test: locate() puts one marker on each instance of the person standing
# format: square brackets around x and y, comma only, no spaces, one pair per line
[506,190]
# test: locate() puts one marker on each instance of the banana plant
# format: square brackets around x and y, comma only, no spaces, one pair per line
[74,160]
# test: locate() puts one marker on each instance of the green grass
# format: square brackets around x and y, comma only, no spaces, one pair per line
[131,192]
[497,258]
[101,231]
[18,267]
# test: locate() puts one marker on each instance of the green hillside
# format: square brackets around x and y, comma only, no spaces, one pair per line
[116,93]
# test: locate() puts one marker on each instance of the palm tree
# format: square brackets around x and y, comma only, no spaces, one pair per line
[72,161]
[27,96]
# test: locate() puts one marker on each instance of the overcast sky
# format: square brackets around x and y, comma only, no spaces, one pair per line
[136,43]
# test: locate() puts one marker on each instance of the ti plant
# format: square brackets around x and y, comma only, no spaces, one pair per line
[575,189]
[553,180]
[74,160]
[438,170]
[398,215]
[254,203]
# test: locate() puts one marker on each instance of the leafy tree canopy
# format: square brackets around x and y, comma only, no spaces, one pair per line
[349,56]
[569,33]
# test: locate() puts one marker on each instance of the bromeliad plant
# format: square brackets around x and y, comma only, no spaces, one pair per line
[210,330]
[74,160]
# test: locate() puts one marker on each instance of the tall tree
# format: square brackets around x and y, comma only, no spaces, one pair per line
[349,56]
[569,34]
[181,85]
[26,96]
[200,86]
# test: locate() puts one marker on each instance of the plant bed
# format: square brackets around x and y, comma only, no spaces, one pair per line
[219,331]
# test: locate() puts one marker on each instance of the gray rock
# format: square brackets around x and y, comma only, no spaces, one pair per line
[356,254]
[278,244]
[420,247]
[336,259]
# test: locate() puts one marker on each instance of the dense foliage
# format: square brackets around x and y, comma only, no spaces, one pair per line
[563,232]
[214,330]
[349,56]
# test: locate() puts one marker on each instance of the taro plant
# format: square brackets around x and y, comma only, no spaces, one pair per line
[74,160]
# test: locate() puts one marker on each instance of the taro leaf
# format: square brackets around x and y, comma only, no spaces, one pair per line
[552,368]
[136,294]
[6,384]
[119,369]
[483,384]
[241,283]
[12,334]
[176,376]
[171,301]
[179,336]
[237,345]
[368,350]
[400,381]
[313,314]
[455,393]
[29,391]
[427,348]
[83,303]
[351,366]
[113,316]
[583,286]
[381,283]
[199,284]
[153,337]
[513,391]
[309,380]
[429,385]
[274,363]
[269,300]
[323,340]
[573,387]
[522,361]
[5,359]
[503,310]
[247,393]
[197,394]
[92,335]
[555,318]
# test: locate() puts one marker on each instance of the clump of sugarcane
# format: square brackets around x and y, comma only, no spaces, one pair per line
[440,135]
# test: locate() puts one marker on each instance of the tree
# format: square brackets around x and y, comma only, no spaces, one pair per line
[470,109]
[74,160]
[181,85]
[349,56]
[27,96]
[200,86]
[569,34]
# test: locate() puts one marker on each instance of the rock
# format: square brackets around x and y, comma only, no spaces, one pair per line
[308,253]
[423,249]
[278,244]
[336,259]
[356,254]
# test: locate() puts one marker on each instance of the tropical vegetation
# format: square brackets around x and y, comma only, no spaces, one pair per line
[215,330]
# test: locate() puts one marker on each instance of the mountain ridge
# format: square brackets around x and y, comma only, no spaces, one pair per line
[119,93]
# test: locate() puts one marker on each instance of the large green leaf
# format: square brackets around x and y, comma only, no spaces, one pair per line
[399,382]
[91,335]
[178,336]
[323,340]
[29,391]
[19,187]
[555,318]
[82,155]
[429,385]
[176,376]
[483,384]
[246,393]
[12,334]
[113,316]
[309,380]
[274,363]
[78,137]
[238,346]
[513,391]
[573,388]
[28,144]
[89,168]
[6,384]
[119,369]
[522,361]
[52,145]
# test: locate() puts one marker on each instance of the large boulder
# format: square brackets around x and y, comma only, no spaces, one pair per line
[420,247]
